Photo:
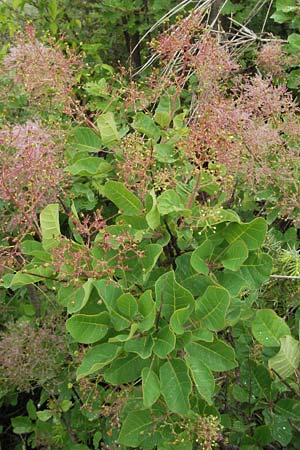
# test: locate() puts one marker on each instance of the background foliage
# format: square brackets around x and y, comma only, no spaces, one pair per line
[149,225]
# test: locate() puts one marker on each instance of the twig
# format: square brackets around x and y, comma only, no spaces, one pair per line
[267,15]
[288,277]
[294,425]
[292,389]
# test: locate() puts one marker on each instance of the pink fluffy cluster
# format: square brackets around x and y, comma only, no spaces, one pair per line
[43,71]
[31,154]
[248,124]
[31,176]
[31,173]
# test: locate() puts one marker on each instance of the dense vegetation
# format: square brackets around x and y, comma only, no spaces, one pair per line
[149,206]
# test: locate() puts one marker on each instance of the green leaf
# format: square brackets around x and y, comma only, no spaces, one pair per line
[127,305]
[181,443]
[202,334]
[203,378]
[153,216]
[150,387]
[147,308]
[145,125]
[141,345]
[66,405]
[253,233]
[285,5]
[281,430]
[137,222]
[96,358]
[108,129]
[78,447]
[179,318]
[91,166]
[21,425]
[294,40]
[139,268]
[88,329]
[86,140]
[280,17]
[31,409]
[261,376]
[203,252]
[287,359]
[77,298]
[235,255]
[164,342]
[171,296]
[44,415]
[189,278]
[125,369]
[135,427]
[268,328]
[168,202]
[176,385]
[217,355]
[262,435]
[119,321]
[49,219]
[256,270]
[233,282]
[163,111]
[97,88]
[35,249]
[294,79]
[108,291]
[288,408]
[212,307]
[125,200]
[97,438]
[164,153]
[127,336]
[37,274]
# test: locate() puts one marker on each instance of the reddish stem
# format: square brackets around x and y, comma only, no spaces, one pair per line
[194,192]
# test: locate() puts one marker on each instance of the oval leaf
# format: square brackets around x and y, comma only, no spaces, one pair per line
[171,295]
[212,307]
[176,385]
[268,328]
[125,369]
[125,200]
[164,342]
[50,227]
[288,357]
[150,387]
[108,129]
[252,233]
[127,305]
[145,125]
[96,358]
[88,329]
[136,424]
[217,355]
[203,252]
[203,378]
[235,255]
